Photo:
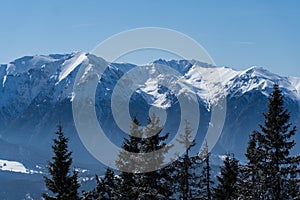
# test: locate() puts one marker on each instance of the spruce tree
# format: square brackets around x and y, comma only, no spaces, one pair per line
[154,184]
[227,189]
[62,183]
[141,184]
[206,182]
[127,182]
[251,173]
[105,189]
[185,168]
[106,185]
[268,152]
[244,190]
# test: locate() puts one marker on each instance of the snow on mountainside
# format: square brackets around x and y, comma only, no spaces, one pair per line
[295,83]
[40,73]
[14,166]
[257,78]
[211,82]
[69,65]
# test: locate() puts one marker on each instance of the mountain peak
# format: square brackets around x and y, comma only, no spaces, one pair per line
[260,71]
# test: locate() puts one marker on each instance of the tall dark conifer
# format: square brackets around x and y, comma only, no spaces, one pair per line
[268,152]
[154,184]
[251,185]
[185,168]
[62,183]
[227,189]
[144,183]
[127,182]
[206,182]
[105,189]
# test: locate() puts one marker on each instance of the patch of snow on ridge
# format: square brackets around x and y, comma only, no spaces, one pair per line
[24,64]
[4,80]
[14,166]
[69,65]
[295,83]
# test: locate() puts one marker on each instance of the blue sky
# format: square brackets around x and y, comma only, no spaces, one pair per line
[237,34]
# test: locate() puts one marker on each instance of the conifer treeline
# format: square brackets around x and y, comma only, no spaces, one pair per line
[270,171]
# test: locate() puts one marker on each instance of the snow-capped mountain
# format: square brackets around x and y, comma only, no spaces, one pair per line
[36,93]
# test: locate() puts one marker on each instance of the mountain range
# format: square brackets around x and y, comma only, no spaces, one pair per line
[36,94]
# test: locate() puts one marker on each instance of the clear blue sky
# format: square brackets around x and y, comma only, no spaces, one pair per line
[237,33]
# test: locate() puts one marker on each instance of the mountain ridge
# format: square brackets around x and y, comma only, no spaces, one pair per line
[232,79]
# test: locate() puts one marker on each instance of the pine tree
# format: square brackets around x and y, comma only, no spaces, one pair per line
[127,182]
[243,188]
[62,183]
[206,182]
[268,152]
[106,185]
[154,184]
[105,189]
[143,183]
[227,189]
[251,187]
[185,168]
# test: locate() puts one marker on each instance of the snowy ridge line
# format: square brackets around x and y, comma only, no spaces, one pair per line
[206,81]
